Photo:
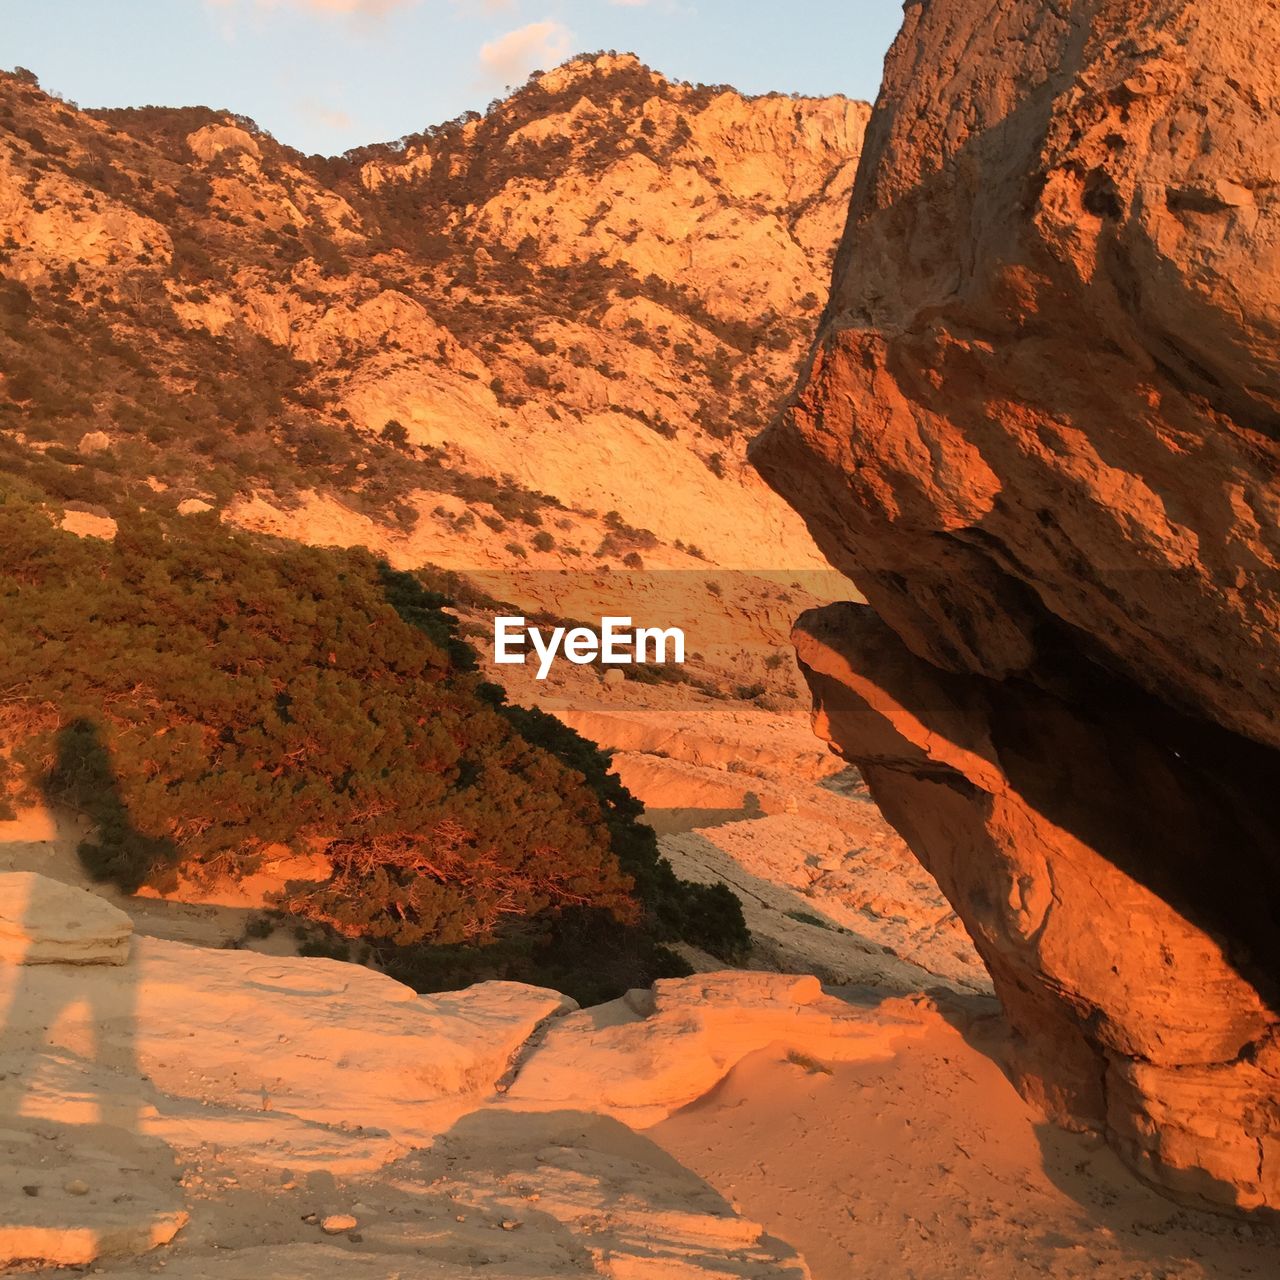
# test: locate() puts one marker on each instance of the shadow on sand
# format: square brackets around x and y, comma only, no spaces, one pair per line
[71,1095]
[591,1189]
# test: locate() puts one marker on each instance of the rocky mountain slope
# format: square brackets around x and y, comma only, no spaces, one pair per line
[1040,430]
[462,348]
[534,340]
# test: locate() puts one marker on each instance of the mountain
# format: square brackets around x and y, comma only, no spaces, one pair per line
[466,347]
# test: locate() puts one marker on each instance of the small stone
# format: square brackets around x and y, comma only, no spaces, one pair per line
[43,921]
[94,442]
[31,1191]
[338,1223]
[76,1187]
[509,1225]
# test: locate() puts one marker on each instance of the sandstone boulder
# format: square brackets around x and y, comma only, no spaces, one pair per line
[44,922]
[647,1055]
[1047,387]
[1072,843]
[210,142]
[1041,431]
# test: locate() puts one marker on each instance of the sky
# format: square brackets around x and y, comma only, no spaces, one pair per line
[326,75]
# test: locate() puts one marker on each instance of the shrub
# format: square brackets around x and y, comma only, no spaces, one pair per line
[709,916]
[290,701]
[396,434]
[201,697]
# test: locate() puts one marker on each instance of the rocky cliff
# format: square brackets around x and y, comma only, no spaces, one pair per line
[1040,430]
[463,347]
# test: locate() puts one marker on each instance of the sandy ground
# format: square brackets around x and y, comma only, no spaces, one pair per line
[930,1167]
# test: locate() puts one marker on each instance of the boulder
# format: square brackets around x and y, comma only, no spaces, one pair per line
[210,142]
[643,1057]
[45,922]
[94,442]
[1041,431]
[1072,843]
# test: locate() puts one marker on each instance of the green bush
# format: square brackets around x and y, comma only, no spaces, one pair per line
[213,698]
[202,696]
[708,916]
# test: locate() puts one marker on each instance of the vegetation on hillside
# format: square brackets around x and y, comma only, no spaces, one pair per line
[206,699]
[183,348]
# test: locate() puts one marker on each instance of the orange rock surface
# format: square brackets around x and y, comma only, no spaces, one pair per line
[1040,433]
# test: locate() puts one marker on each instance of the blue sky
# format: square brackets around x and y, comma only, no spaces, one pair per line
[325,75]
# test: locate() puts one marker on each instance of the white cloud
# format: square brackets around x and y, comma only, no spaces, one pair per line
[366,8]
[540,44]
[331,118]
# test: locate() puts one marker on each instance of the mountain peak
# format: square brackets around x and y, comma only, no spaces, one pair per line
[588,65]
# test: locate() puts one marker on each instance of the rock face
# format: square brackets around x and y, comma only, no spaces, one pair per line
[44,922]
[1040,430]
[315,1097]
[609,274]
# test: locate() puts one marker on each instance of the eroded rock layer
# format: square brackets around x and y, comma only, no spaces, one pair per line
[1041,431]
[299,1103]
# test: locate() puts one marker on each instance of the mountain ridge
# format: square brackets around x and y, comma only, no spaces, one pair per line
[504,321]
